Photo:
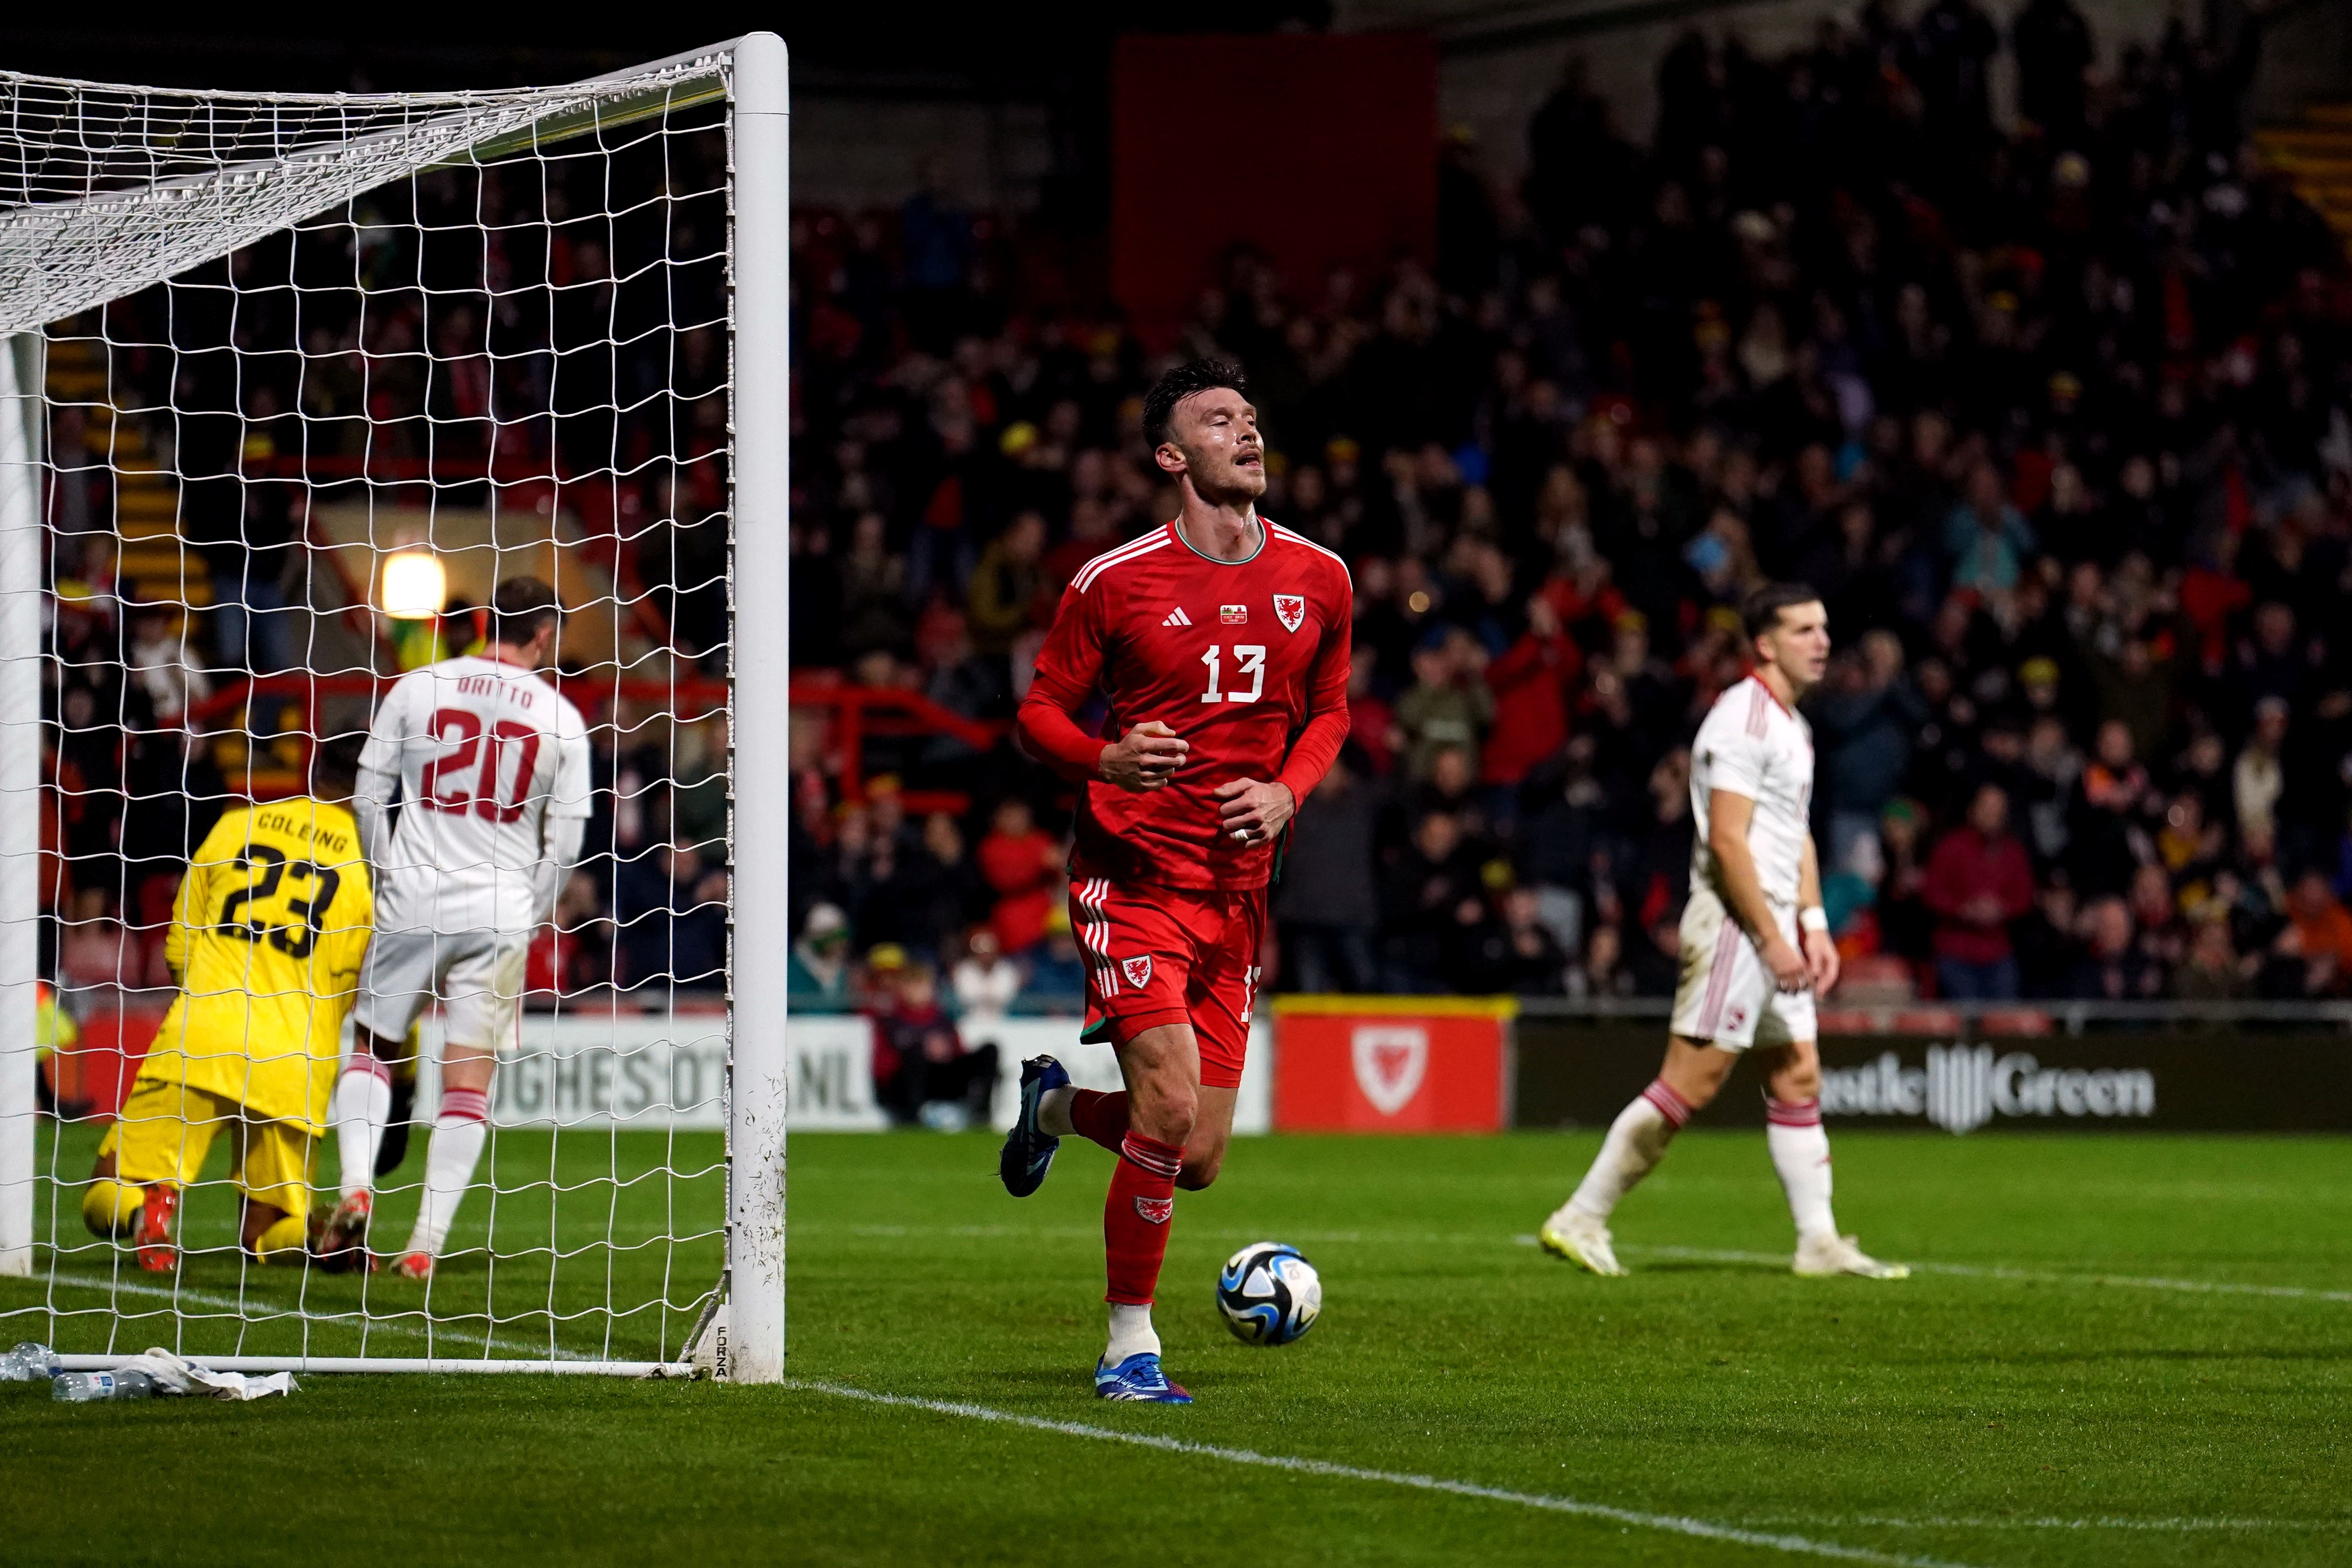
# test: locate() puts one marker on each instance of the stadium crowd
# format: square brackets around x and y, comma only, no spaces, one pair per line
[2052,417]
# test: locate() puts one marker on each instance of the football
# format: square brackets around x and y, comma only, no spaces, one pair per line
[1269,1294]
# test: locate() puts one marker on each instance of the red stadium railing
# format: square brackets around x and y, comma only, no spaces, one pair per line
[856,714]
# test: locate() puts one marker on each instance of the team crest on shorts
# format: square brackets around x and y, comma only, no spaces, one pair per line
[1136,970]
[1155,1211]
[1290,609]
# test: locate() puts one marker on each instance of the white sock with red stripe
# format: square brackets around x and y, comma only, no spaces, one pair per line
[1800,1152]
[362,1104]
[1637,1140]
[458,1133]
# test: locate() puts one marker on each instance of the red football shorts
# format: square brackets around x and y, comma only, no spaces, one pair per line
[1171,955]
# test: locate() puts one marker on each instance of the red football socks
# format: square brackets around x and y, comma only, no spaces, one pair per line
[1136,1214]
[1099,1118]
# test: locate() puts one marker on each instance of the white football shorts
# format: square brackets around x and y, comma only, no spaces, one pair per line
[1725,996]
[477,974]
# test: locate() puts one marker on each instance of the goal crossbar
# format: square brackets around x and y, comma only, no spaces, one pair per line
[63,255]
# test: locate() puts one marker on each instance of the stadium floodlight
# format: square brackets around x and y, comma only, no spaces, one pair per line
[415,586]
[271,357]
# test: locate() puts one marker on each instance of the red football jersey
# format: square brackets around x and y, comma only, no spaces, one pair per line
[1247,660]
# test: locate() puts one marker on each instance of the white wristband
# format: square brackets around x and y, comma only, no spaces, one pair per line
[1813,919]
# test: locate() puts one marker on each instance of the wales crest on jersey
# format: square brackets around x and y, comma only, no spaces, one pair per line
[1290,609]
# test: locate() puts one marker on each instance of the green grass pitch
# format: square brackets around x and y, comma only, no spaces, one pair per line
[2120,1350]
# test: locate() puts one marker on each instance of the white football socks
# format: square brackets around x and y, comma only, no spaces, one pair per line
[1130,1334]
[458,1133]
[1637,1140]
[362,1104]
[1053,1112]
[1800,1153]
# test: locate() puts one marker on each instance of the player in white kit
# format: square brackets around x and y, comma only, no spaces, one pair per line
[1754,948]
[489,765]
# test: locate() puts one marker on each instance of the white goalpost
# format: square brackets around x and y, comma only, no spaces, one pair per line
[290,383]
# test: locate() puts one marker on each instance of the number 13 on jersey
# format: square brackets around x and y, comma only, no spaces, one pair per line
[1249,660]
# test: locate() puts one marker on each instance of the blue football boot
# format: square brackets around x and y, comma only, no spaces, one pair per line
[1028,1153]
[1139,1380]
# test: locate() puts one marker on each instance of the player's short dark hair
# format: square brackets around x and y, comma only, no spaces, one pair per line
[519,607]
[1761,612]
[1200,375]
[335,765]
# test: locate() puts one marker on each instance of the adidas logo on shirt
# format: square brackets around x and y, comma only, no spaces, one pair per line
[1177,619]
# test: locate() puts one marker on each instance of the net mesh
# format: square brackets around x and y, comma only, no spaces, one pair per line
[302,358]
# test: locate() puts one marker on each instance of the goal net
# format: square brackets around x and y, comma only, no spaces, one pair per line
[292,383]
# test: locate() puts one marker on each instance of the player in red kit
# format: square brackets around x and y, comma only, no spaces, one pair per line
[1219,644]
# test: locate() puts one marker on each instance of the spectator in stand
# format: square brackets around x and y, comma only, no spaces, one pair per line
[922,1071]
[1451,786]
[1327,904]
[1603,973]
[2321,931]
[1987,538]
[1448,705]
[2163,933]
[2107,821]
[565,954]
[2054,48]
[816,975]
[874,614]
[1432,880]
[2051,766]
[2047,943]
[671,911]
[2213,971]
[1531,685]
[1022,865]
[2259,778]
[1905,924]
[984,982]
[1866,720]
[1369,720]
[1978,881]
[1509,951]
[1056,968]
[1655,961]
[1006,586]
[2112,968]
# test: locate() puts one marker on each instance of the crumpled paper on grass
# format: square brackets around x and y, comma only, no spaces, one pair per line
[175,1373]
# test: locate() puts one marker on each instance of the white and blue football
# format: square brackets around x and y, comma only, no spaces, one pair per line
[1269,1294]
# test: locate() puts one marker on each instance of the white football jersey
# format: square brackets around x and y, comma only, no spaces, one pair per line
[485,752]
[1751,745]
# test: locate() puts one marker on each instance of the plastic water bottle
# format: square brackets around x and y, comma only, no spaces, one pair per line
[89,1387]
[28,1363]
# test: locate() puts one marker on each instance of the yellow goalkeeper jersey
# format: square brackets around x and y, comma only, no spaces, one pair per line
[267,936]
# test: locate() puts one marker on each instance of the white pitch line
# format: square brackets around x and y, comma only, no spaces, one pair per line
[1675,1524]
[2019,1275]
[375,1325]
[2111,1521]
